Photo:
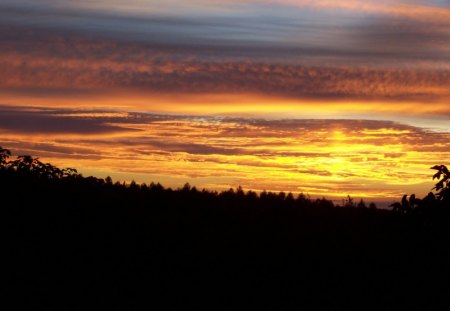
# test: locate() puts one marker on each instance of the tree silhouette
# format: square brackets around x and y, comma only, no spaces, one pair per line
[361,204]
[403,206]
[4,155]
[441,199]
[443,185]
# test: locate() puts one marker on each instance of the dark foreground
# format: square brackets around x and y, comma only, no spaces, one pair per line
[64,256]
[74,243]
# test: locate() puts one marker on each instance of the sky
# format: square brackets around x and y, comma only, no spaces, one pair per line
[323,97]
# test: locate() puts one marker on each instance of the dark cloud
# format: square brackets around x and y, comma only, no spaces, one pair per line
[42,122]
[407,38]
[170,146]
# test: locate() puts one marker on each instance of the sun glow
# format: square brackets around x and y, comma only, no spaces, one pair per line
[333,158]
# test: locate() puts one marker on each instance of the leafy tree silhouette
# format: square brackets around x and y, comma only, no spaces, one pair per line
[33,167]
[403,206]
[443,185]
[440,199]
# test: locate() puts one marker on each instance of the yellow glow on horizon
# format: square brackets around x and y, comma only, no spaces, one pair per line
[331,159]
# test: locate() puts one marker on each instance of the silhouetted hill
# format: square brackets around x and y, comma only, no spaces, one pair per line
[75,242]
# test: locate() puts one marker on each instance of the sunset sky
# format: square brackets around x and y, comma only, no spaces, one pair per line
[323,97]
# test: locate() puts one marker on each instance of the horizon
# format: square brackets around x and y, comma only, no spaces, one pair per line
[315,97]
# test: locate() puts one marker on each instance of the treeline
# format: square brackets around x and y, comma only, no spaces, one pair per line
[27,174]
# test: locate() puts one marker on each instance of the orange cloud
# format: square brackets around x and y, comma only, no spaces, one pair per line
[40,76]
[321,157]
[45,63]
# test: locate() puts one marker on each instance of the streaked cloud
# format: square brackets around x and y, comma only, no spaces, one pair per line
[77,71]
[35,121]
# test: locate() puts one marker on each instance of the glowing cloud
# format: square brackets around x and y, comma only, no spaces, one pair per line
[377,159]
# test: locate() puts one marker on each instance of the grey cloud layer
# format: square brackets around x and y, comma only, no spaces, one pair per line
[260,30]
[40,62]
